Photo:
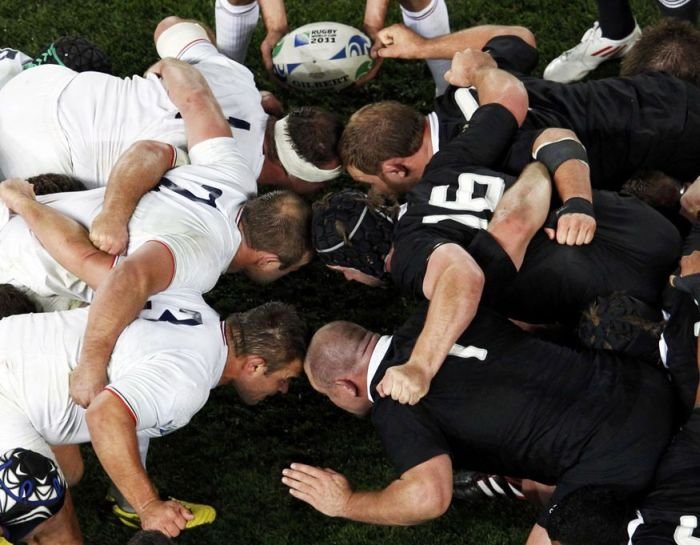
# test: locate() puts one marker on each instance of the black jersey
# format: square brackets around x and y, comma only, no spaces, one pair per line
[634,250]
[626,124]
[504,402]
[671,512]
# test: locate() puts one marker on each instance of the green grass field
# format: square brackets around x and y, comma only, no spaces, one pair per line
[231,455]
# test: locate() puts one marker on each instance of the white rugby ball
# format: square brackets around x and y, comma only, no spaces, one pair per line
[321,56]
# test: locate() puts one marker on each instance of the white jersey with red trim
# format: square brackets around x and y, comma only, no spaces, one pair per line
[193,211]
[92,118]
[162,368]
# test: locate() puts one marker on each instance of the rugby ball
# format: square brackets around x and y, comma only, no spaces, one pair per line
[321,56]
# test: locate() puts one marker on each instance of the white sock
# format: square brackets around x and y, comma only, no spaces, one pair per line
[430,22]
[234,28]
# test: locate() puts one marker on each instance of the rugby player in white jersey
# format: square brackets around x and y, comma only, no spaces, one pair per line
[55,120]
[177,336]
[185,233]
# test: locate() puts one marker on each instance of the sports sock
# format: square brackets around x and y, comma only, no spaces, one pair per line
[615,18]
[431,21]
[681,9]
[234,28]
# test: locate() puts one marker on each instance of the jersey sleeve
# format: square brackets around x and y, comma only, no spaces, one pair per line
[512,54]
[163,393]
[483,142]
[223,155]
[409,435]
[410,260]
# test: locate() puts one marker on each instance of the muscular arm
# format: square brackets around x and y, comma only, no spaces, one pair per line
[422,493]
[141,167]
[274,17]
[64,239]
[113,436]
[121,296]
[137,171]
[400,42]
[572,180]
[453,283]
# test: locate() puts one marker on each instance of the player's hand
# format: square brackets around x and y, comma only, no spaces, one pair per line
[325,490]
[397,42]
[406,383]
[109,234]
[376,60]
[15,190]
[85,383]
[690,201]
[573,229]
[465,65]
[268,44]
[169,517]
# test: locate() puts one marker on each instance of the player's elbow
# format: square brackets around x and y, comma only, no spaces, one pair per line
[164,25]
[431,499]
[525,34]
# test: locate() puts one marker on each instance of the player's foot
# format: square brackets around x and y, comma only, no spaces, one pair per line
[471,485]
[203,514]
[574,64]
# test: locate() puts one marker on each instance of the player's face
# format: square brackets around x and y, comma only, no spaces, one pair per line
[358,276]
[269,271]
[256,387]
[374,180]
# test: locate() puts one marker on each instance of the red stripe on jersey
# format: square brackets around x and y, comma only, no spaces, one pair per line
[173,157]
[191,44]
[126,405]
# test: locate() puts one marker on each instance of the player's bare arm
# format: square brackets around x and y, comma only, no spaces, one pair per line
[118,300]
[422,493]
[474,68]
[137,171]
[274,17]
[113,435]
[565,158]
[63,238]
[453,283]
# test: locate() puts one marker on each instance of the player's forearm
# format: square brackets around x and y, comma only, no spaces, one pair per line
[138,170]
[453,305]
[119,299]
[399,504]
[569,169]
[375,14]
[66,241]
[113,436]
[274,15]
[572,179]
[444,47]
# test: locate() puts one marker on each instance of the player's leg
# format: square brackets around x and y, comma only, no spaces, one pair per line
[429,18]
[609,38]
[681,9]
[521,212]
[235,23]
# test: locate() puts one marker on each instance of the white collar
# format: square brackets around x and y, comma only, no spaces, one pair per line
[378,354]
[434,131]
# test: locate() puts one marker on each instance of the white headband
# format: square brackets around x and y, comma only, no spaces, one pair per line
[294,163]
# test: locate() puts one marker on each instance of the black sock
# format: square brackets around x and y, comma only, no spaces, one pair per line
[615,18]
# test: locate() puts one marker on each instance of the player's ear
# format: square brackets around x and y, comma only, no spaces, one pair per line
[348,387]
[267,261]
[394,169]
[255,365]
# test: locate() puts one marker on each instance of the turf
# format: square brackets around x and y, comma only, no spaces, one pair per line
[231,455]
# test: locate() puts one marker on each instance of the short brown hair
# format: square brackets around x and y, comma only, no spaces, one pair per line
[274,331]
[315,134]
[44,184]
[671,46]
[13,301]
[378,132]
[278,222]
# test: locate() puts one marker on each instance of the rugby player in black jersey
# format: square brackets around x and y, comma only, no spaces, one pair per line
[455,241]
[649,120]
[502,402]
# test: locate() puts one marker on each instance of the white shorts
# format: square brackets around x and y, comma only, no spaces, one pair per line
[31,139]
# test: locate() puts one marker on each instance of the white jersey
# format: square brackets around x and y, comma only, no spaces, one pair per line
[57,120]
[193,211]
[162,368]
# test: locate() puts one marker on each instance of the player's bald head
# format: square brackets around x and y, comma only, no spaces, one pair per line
[335,351]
